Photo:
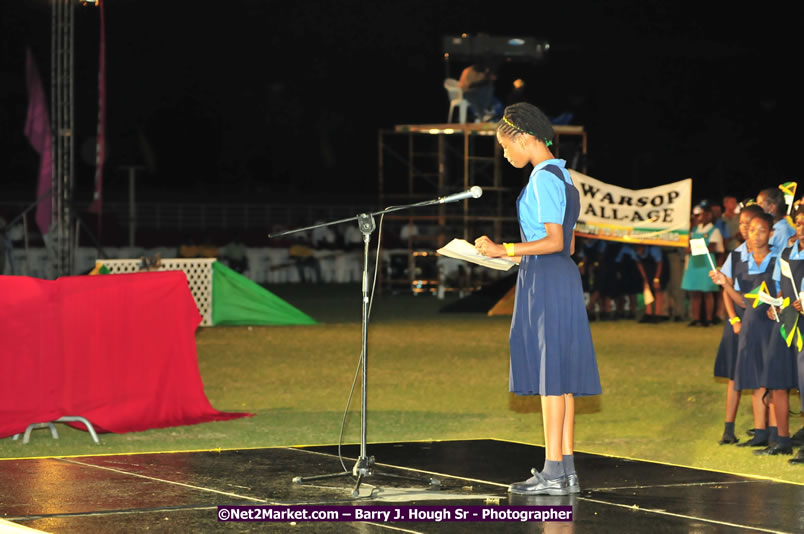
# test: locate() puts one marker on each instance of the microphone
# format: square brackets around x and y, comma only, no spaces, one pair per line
[472,192]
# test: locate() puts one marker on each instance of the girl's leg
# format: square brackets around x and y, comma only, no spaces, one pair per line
[760,410]
[568,436]
[732,402]
[760,421]
[709,304]
[773,431]
[781,407]
[553,408]
[695,305]
[781,442]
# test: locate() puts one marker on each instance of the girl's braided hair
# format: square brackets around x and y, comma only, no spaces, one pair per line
[776,197]
[798,209]
[524,118]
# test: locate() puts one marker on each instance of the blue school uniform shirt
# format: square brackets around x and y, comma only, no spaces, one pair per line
[782,231]
[753,268]
[721,225]
[651,251]
[727,266]
[795,254]
[626,250]
[544,200]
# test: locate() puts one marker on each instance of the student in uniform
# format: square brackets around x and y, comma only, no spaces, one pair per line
[756,326]
[772,201]
[735,267]
[608,279]
[779,373]
[586,257]
[551,346]
[696,277]
[630,283]
[654,276]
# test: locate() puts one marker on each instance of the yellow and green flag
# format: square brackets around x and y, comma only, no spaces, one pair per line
[789,328]
[753,295]
[789,192]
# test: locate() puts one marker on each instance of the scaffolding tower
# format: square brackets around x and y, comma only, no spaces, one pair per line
[62,82]
[423,161]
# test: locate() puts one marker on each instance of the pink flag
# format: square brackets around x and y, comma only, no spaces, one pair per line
[37,130]
[100,155]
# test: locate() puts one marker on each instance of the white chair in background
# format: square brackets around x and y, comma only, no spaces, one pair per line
[456,98]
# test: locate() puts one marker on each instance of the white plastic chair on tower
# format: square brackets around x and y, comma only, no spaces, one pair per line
[456,98]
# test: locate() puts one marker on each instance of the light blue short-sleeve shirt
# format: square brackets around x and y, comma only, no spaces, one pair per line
[626,251]
[727,266]
[753,268]
[544,200]
[782,231]
[795,254]
[650,251]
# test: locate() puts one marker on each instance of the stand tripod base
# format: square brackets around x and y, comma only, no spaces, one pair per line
[364,467]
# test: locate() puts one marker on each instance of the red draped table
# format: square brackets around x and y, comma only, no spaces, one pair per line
[118,350]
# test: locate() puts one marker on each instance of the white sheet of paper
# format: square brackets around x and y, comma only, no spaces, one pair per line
[463,250]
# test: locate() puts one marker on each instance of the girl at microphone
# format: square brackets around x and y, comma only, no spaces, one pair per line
[550,343]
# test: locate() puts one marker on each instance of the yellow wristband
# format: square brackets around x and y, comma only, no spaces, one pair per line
[734,320]
[509,249]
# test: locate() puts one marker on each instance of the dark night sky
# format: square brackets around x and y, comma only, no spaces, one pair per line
[260,100]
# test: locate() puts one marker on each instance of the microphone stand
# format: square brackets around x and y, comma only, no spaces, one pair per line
[364,466]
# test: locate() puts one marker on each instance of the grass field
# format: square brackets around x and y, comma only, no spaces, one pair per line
[437,376]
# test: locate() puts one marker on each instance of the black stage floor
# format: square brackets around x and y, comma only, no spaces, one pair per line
[180,492]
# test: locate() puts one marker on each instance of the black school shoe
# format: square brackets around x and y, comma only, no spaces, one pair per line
[538,485]
[573,485]
[798,458]
[754,442]
[798,438]
[728,439]
[774,450]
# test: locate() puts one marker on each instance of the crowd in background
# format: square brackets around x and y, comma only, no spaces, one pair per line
[749,274]
[621,278]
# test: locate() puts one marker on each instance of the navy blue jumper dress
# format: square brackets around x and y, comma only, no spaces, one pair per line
[550,342]
[726,358]
[755,332]
[779,366]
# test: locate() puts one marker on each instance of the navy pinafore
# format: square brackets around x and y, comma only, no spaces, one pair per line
[779,367]
[550,342]
[726,358]
[754,334]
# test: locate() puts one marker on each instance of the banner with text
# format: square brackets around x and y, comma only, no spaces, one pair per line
[656,216]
